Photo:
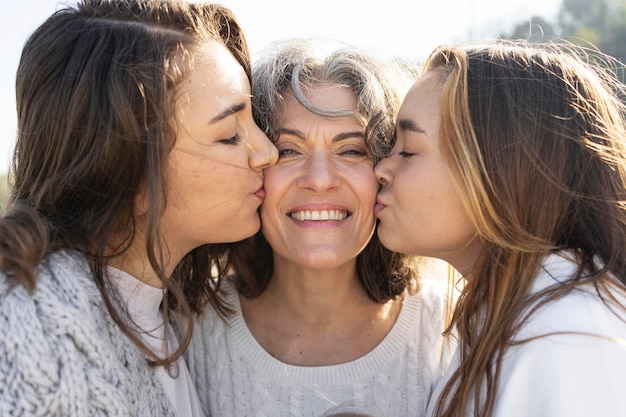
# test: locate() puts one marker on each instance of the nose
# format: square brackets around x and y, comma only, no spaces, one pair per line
[384,171]
[263,153]
[319,172]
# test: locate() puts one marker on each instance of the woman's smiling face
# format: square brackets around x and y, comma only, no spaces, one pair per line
[318,211]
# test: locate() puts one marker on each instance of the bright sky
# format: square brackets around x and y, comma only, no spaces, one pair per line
[387,26]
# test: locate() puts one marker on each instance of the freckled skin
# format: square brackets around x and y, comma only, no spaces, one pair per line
[422,213]
[215,167]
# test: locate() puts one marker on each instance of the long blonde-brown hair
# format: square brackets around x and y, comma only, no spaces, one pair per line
[536,142]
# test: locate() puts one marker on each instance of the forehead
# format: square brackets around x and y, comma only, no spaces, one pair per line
[326,97]
[425,92]
[214,58]
[215,80]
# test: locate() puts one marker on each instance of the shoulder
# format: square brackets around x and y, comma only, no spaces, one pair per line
[581,310]
[430,305]
[67,275]
[429,351]
[65,294]
[427,314]
[579,323]
[211,332]
[432,298]
[64,281]
[209,320]
[563,374]
[434,288]
[576,343]
[56,339]
[212,354]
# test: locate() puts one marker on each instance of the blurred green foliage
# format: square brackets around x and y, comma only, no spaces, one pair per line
[4,190]
[597,24]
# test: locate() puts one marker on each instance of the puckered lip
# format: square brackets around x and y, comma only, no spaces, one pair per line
[260,190]
[260,193]
[379,206]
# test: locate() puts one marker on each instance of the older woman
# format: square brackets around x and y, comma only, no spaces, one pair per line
[324,319]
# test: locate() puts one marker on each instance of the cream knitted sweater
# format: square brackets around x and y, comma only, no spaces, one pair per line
[61,354]
[236,377]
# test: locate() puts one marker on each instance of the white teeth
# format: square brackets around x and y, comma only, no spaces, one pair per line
[319,215]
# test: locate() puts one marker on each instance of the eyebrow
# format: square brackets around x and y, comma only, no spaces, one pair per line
[336,138]
[406,124]
[236,108]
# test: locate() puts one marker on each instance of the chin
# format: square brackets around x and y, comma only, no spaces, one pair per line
[245,231]
[392,243]
[384,238]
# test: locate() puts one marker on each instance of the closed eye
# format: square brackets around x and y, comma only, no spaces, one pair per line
[405,154]
[235,140]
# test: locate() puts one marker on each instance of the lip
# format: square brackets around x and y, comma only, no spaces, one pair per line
[319,210]
[260,192]
[319,206]
[378,207]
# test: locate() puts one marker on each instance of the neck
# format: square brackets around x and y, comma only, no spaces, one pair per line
[135,262]
[316,295]
[317,317]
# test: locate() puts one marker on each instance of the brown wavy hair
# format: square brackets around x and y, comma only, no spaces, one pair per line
[536,140]
[96,91]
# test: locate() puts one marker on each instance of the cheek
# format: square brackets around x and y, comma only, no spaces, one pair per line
[460,216]
[365,183]
[369,190]
[410,188]
[272,178]
[277,182]
[208,186]
[206,183]
[188,168]
[424,181]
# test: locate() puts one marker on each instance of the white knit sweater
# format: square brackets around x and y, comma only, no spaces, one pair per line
[61,354]
[235,376]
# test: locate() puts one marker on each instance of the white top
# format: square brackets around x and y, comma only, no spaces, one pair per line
[578,373]
[235,376]
[143,303]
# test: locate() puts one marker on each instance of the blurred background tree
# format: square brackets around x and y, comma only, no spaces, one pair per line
[4,190]
[597,23]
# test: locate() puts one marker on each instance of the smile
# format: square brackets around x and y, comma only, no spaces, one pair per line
[318,215]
